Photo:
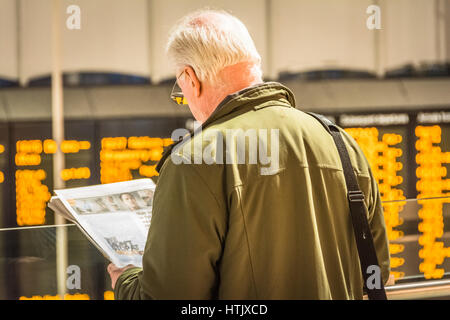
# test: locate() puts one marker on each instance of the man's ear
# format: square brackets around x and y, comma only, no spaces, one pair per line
[194,82]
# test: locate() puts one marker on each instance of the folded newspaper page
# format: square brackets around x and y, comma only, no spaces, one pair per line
[115,217]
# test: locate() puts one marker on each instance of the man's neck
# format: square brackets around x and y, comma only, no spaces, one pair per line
[232,79]
[217,98]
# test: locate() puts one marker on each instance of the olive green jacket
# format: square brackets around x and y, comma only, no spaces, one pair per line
[257,230]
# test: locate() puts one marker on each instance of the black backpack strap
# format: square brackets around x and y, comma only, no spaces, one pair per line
[358,211]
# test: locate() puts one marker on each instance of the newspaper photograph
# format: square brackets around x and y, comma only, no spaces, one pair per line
[116,217]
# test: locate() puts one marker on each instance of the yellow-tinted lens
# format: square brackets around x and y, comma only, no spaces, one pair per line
[179,100]
[177,95]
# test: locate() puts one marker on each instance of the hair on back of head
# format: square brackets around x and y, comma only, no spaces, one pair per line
[209,40]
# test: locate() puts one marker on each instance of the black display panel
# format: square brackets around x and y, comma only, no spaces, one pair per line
[27,165]
[409,153]
[409,156]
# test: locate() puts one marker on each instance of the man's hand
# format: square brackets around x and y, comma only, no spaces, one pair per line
[115,272]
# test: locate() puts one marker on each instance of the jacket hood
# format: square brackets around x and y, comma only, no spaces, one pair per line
[257,96]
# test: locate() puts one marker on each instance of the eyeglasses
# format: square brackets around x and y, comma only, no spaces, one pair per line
[177,94]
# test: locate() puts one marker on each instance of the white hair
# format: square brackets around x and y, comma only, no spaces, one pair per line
[210,40]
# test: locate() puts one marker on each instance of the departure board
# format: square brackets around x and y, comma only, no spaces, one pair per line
[407,156]
[2,175]
[32,150]
[433,160]
[120,155]
[95,152]
[382,139]
[4,163]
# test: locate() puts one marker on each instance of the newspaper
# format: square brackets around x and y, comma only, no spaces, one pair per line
[115,217]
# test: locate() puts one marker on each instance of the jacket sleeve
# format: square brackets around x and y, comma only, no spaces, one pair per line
[128,285]
[184,243]
[378,228]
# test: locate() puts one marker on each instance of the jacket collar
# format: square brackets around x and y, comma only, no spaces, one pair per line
[253,97]
[256,96]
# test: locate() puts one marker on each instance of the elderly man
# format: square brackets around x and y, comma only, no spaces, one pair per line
[237,229]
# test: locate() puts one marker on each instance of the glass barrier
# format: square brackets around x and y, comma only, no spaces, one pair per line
[418,230]
[29,267]
[419,238]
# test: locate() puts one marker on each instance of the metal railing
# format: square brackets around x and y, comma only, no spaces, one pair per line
[432,289]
